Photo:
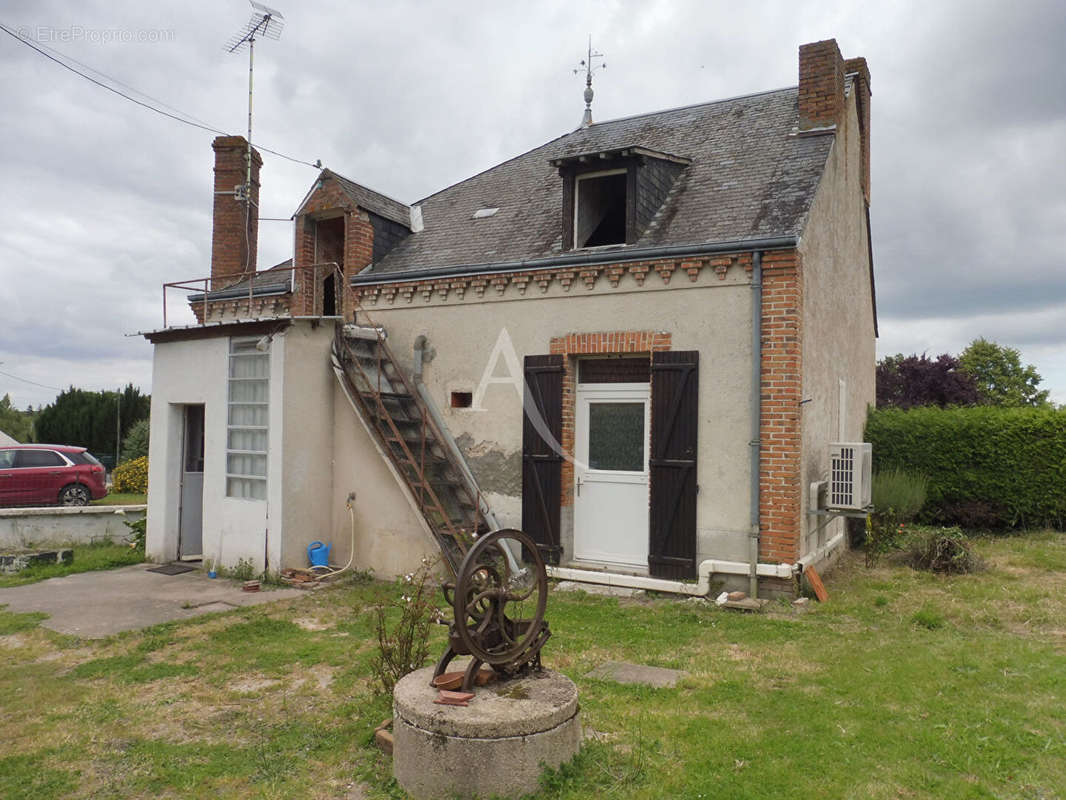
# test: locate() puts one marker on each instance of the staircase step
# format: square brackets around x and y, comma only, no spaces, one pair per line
[364,333]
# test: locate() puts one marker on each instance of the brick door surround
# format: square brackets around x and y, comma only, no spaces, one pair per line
[606,343]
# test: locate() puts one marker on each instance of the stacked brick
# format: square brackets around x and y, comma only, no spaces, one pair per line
[236,221]
[821,85]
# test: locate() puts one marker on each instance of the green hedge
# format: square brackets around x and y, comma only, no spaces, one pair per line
[988,467]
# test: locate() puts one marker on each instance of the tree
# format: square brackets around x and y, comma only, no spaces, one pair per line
[909,381]
[135,445]
[89,419]
[16,424]
[999,375]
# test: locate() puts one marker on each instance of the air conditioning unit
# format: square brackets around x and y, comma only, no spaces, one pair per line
[850,467]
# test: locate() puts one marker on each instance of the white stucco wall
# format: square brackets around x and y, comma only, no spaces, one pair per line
[712,316]
[839,357]
[190,372]
[318,453]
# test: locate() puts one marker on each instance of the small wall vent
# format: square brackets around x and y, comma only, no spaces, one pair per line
[850,467]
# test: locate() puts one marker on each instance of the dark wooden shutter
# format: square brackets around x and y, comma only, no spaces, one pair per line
[542,461]
[674,419]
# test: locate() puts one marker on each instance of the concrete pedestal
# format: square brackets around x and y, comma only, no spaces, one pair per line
[496,746]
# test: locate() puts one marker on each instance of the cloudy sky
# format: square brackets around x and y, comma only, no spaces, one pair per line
[103,201]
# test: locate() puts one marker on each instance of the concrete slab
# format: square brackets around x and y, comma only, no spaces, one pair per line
[99,604]
[598,589]
[624,672]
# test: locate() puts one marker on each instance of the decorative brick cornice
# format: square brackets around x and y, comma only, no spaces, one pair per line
[618,276]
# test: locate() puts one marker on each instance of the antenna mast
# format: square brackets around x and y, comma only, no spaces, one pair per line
[265,22]
[586,66]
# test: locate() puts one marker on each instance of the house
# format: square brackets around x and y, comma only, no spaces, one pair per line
[635,342]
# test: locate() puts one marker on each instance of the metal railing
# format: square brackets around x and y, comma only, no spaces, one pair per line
[232,291]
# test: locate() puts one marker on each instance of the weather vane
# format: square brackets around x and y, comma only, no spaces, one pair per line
[586,65]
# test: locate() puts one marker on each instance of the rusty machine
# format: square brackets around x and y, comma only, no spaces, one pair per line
[498,601]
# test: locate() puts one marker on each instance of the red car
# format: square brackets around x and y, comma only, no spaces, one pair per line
[49,474]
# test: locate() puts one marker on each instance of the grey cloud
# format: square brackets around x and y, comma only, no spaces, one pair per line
[104,201]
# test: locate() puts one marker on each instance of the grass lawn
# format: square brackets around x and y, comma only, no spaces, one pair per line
[903,685]
[121,499]
[87,557]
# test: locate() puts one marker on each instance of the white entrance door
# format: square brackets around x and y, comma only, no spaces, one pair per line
[611,474]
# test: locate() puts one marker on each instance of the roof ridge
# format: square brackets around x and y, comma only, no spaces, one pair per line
[364,186]
[594,125]
[690,105]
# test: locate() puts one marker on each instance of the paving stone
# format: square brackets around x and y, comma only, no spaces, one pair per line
[747,604]
[624,672]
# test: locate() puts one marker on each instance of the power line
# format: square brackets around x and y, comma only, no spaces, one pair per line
[186,119]
[25,380]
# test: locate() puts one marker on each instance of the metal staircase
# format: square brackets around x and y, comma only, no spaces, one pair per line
[421,452]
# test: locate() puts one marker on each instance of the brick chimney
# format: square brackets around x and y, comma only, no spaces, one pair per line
[861,87]
[234,237]
[821,85]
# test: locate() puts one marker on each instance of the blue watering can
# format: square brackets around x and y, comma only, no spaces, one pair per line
[318,554]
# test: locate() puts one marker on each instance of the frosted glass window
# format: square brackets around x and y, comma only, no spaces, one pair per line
[245,414]
[616,436]
[247,418]
[243,439]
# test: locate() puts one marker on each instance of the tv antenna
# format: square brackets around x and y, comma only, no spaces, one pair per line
[588,66]
[265,23]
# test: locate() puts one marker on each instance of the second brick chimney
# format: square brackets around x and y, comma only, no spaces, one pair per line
[821,85]
[861,84]
[236,220]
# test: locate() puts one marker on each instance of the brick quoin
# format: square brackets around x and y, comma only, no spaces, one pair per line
[576,344]
[780,432]
[235,234]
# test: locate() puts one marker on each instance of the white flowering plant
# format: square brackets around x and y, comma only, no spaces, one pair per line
[403,626]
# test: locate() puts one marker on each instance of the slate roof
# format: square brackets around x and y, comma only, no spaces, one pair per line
[750,177]
[369,200]
[275,280]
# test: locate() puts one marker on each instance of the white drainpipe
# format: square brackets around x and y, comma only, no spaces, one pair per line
[699,589]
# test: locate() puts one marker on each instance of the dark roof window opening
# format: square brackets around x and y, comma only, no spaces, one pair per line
[600,208]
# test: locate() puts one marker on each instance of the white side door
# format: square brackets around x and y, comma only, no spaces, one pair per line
[611,440]
[191,512]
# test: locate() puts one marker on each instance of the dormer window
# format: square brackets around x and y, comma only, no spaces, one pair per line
[611,197]
[600,208]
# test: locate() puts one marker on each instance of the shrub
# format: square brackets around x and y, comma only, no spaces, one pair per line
[900,492]
[898,496]
[988,466]
[404,647]
[131,476]
[945,550]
